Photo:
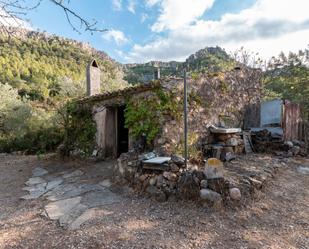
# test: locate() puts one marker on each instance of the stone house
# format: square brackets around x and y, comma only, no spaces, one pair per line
[152,113]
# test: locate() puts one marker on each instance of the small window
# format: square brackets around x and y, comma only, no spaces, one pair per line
[94,64]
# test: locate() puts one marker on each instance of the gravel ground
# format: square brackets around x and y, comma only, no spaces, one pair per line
[278,218]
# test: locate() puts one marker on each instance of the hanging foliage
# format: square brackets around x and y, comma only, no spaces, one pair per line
[144,116]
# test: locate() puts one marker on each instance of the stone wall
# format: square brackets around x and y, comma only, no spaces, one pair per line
[214,184]
[213,100]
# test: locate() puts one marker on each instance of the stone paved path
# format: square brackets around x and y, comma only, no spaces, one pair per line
[72,201]
[277,219]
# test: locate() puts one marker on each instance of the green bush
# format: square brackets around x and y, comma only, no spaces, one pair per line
[40,141]
[79,128]
[24,127]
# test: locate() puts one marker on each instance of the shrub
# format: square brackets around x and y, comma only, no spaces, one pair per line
[79,128]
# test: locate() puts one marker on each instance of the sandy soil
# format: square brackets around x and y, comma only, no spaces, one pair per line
[278,218]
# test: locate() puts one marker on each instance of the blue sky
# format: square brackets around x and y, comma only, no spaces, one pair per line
[143,30]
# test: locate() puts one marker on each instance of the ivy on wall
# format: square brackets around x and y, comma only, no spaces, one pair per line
[145,116]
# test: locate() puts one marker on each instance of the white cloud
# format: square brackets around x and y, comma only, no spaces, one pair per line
[174,14]
[117,4]
[10,21]
[131,6]
[151,3]
[268,27]
[144,17]
[116,36]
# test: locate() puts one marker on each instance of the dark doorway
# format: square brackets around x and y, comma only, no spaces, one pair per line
[122,132]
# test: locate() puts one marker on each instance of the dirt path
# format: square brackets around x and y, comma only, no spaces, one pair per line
[278,219]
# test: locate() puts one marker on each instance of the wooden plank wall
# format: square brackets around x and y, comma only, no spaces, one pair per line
[304,133]
[252,116]
[291,121]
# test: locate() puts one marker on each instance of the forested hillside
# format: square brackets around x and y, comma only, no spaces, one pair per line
[40,65]
[207,60]
[39,74]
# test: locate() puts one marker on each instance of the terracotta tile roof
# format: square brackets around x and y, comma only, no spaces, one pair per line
[120,93]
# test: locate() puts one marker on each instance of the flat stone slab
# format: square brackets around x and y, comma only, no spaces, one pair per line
[35,191]
[100,198]
[75,173]
[72,202]
[54,183]
[72,215]
[58,192]
[303,170]
[106,183]
[40,186]
[70,190]
[89,214]
[39,172]
[35,180]
[33,195]
[57,209]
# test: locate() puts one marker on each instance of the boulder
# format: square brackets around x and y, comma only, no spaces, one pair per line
[289,144]
[153,180]
[204,184]
[210,195]
[303,170]
[232,141]
[143,177]
[223,137]
[227,156]
[160,181]
[295,150]
[146,183]
[170,176]
[235,194]
[217,184]
[174,168]
[199,175]
[178,160]
[296,142]
[213,168]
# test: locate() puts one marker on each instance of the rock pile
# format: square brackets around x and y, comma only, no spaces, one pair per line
[294,148]
[204,185]
[226,144]
[266,142]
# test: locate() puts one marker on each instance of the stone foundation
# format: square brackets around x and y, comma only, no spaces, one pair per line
[232,183]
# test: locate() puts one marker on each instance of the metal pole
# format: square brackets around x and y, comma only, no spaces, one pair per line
[185,110]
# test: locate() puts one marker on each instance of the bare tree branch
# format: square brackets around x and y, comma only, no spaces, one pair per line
[13,12]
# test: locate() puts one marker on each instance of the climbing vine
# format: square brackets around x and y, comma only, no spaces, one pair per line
[145,116]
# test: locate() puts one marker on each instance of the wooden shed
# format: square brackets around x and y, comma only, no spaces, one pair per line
[281,117]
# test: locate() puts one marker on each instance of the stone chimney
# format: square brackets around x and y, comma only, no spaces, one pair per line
[93,78]
[157,73]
